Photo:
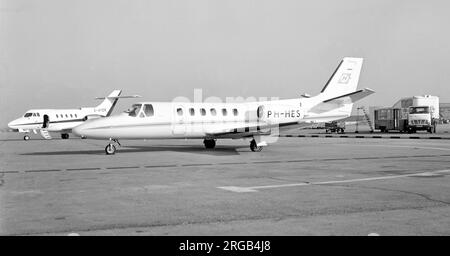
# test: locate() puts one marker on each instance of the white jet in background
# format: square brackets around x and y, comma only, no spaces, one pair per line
[259,122]
[63,120]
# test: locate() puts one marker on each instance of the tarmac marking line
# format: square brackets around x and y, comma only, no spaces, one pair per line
[267,162]
[363,136]
[83,169]
[233,163]
[229,163]
[190,165]
[160,166]
[122,167]
[238,189]
[49,170]
[397,146]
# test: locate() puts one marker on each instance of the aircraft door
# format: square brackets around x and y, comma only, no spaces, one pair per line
[179,122]
[45,122]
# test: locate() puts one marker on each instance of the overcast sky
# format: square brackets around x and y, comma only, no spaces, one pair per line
[62,54]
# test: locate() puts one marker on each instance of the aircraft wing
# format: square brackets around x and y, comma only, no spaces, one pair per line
[350,97]
[340,101]
[254,129]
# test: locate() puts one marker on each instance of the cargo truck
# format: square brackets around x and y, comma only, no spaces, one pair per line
[423,114]
[420,113]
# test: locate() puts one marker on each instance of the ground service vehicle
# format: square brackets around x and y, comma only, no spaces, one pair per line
[388,119]
[423,114]
[335,126]
[421,118]
[411,115]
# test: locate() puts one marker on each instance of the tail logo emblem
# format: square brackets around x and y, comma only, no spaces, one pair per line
[344,78]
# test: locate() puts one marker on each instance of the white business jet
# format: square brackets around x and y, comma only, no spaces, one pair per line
[63,120]
[259,122]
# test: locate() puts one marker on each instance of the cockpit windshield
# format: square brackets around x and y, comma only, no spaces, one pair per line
[28,114]
[134,110]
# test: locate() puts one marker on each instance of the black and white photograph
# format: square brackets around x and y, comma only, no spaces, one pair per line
[246,119]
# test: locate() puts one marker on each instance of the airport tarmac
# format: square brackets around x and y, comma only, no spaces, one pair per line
[297,186]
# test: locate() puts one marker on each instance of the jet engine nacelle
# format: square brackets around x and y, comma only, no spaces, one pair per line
[90,117]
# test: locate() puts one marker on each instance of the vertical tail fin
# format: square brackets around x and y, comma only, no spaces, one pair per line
[106,107]
[344,79]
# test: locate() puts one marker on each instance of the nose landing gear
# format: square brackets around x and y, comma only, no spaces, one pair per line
[110,149]
[26,137]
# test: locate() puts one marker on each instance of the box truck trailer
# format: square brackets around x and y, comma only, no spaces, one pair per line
[422,113]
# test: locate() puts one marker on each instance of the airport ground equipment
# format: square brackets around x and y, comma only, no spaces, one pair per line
[335,126]
[389,119]
[421,113]
[366,117]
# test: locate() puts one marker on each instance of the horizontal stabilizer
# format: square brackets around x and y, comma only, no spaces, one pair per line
[351,97]
[119,97]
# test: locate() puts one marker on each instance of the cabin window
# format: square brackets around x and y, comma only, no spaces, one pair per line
[213,112]
[134,110]
[75,115]
[28,114]
[148,109]
[71,116]
[192,111]
[180,111]
[224,111]
[235,112]
[57,116]
[67,116]
[203,112]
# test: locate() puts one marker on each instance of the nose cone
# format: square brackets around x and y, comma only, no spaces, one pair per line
[80,130]
[95,128]
[13,124]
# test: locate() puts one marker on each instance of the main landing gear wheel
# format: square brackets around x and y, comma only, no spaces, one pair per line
[26,137]
[254,147]
[211,143]
[64,136]
[110,149]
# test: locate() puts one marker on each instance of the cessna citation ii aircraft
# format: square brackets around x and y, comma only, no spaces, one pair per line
[63,120]
[256,121]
